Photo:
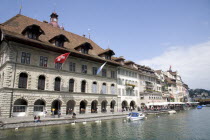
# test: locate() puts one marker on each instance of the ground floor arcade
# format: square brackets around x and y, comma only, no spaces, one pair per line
[29,103]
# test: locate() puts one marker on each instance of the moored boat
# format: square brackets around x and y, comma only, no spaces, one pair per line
[172,111]
[135,116]
[207,105]
[199,107]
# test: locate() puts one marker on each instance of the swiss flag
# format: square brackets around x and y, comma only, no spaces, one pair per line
[62,58]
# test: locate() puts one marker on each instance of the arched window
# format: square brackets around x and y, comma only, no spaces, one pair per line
[20,106]
[104,88]
[23,80]
[94,87]
[57,84]
[41,82]
[112,89]
[83,86]
[39,106]
[71,85]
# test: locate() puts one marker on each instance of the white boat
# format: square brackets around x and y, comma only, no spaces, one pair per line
[135,116]
[172,111]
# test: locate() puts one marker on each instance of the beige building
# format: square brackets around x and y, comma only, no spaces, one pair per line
[30,81]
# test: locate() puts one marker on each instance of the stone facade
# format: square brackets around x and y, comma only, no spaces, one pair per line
[10,73]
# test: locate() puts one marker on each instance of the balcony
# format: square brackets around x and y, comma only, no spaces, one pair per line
[166,95]
[149,85]
[131,86]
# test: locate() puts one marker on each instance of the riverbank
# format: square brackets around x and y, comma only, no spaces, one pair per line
[21,122]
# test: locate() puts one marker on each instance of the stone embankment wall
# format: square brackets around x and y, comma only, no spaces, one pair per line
[54,122]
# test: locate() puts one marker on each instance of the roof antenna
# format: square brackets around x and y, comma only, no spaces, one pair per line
[20,11]
[108,44]
[89,33]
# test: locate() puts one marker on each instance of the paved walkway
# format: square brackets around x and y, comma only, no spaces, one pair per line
[64,117]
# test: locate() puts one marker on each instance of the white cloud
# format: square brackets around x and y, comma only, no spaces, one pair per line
[191,62]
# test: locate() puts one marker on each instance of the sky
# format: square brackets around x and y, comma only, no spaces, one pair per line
[155,33]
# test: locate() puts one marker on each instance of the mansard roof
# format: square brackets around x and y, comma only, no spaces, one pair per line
[13,28]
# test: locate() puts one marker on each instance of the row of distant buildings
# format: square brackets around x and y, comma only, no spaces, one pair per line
[32,84]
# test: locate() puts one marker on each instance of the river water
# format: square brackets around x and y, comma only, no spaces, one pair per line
[193,124]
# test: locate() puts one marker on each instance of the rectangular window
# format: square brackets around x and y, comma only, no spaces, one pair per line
[25,58]
[38,108]
[43,61]
[19,108]
[58,66]
[72,66]
[84,69]
[94,70]
[127,73]
[112,74]
[104,72]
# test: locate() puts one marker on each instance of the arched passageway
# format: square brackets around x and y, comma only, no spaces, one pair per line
[82,107]
[56,106]
[112,105]
[70,106]
[94,108]
[103,106]
[125,106]
[132,105]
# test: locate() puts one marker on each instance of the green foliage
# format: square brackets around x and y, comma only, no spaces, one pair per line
[193,92]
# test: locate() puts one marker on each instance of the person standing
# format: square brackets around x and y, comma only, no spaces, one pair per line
[59,113]
[45,112]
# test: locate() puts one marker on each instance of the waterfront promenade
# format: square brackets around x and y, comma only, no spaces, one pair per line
[16,122]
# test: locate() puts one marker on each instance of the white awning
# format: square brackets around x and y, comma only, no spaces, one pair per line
[157,103]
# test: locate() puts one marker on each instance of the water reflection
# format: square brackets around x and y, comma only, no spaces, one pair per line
[186,125]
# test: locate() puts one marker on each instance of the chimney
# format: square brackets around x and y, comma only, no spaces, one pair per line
[83,35]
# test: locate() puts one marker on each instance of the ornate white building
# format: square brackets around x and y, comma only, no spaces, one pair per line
[127,84]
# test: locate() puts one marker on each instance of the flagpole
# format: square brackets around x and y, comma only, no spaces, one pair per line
[20,7]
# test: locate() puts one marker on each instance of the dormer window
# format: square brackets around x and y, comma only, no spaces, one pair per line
[120,59]
[59,43]
[107,54]
[33,31]
[84,48]
[59,40]
[108,57]
[130,64]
